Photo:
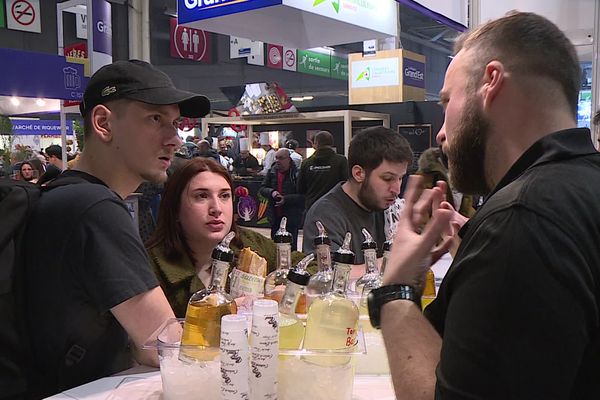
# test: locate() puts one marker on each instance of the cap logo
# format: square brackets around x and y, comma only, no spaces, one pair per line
[108,91]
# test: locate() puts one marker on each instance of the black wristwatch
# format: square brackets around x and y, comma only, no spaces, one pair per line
[378,297]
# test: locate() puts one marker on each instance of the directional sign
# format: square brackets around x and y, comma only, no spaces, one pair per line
[23,15]
[190,43]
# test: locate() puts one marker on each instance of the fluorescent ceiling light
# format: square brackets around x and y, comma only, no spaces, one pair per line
[15,101]
[308,97]
[297,98]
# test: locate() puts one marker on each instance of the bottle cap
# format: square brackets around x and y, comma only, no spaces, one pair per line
[344,254]
[369,243]
[298,276]
[222,252]
[265,307]
[322,237]
[282,235]
[234,323]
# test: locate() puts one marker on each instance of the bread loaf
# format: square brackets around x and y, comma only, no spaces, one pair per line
[252,263]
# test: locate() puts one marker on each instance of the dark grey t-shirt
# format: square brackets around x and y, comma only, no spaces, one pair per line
[84,256]
[340,214]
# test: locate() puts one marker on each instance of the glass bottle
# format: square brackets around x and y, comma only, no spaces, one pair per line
[387,247]
[202,326]
[371,279]
[428,289]
[332,320]
[276,280]
[291,329]
[320,282]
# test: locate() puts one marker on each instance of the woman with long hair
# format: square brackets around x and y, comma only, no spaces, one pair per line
[196,212]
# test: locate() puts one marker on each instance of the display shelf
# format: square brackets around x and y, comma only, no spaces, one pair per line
[347,117]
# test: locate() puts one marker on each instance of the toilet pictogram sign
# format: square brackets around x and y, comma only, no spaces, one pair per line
[189,43]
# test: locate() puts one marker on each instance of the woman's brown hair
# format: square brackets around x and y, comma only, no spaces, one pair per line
[168,231]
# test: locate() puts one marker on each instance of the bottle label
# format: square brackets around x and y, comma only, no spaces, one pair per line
[245,284]
[350,337]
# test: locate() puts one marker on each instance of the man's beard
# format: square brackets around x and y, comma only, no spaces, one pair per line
[367,196]
[466,155]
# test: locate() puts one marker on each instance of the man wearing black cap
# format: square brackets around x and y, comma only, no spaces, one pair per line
[90,289]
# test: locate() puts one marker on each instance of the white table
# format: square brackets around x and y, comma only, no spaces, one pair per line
[148,386]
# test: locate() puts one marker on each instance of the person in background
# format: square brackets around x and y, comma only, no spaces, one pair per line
[225,159]
[269,159]
[205,151]
[378,159]
[196,212]
[433,170]
[323,170]
[245,163]
[292,145]
[280,188]
[90,288]
[517,315]
[54,166]
[27,172]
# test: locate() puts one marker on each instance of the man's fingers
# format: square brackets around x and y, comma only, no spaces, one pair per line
[436,226]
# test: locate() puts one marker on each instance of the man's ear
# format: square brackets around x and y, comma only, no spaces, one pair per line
[493,81]
[358,173]
[101,122]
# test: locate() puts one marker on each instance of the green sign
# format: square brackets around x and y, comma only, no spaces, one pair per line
[339,68]
[2,14]
[310,62]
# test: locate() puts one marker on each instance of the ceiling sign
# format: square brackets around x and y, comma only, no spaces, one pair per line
[293,23]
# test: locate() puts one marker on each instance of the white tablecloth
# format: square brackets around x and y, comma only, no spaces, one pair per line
[147,386]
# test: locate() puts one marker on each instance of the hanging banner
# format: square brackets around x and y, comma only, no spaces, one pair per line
[331,22]
[190,43]
[23,15]
[313,63]
[81,26]
[39,127]
[30,74]
[101,13]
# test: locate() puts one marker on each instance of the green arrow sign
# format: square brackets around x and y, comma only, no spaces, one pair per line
[310,62]
[339,68]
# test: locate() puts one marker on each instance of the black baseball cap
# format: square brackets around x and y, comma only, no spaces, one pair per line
[141,81]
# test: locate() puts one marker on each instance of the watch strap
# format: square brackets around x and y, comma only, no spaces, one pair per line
[384,294]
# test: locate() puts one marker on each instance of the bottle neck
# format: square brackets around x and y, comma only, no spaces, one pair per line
[290,298]
[324,257]
[340,278]
[386,256]
[218,277]
[284,256]
[370,261]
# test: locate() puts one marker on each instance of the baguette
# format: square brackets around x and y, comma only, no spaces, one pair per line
[251,263]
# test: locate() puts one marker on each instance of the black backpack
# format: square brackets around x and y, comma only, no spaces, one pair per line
[17,202]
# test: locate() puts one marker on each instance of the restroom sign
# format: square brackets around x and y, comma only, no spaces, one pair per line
[190,43]
[23,15]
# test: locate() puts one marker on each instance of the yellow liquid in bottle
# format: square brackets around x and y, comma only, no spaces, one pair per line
[202,327]
[332,323]
[291,332]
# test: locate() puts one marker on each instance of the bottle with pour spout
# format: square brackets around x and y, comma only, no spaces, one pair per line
[202,326]
[332,319]
[276,280]
[371,279]
[387,247]
[320,282]
[291,329]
